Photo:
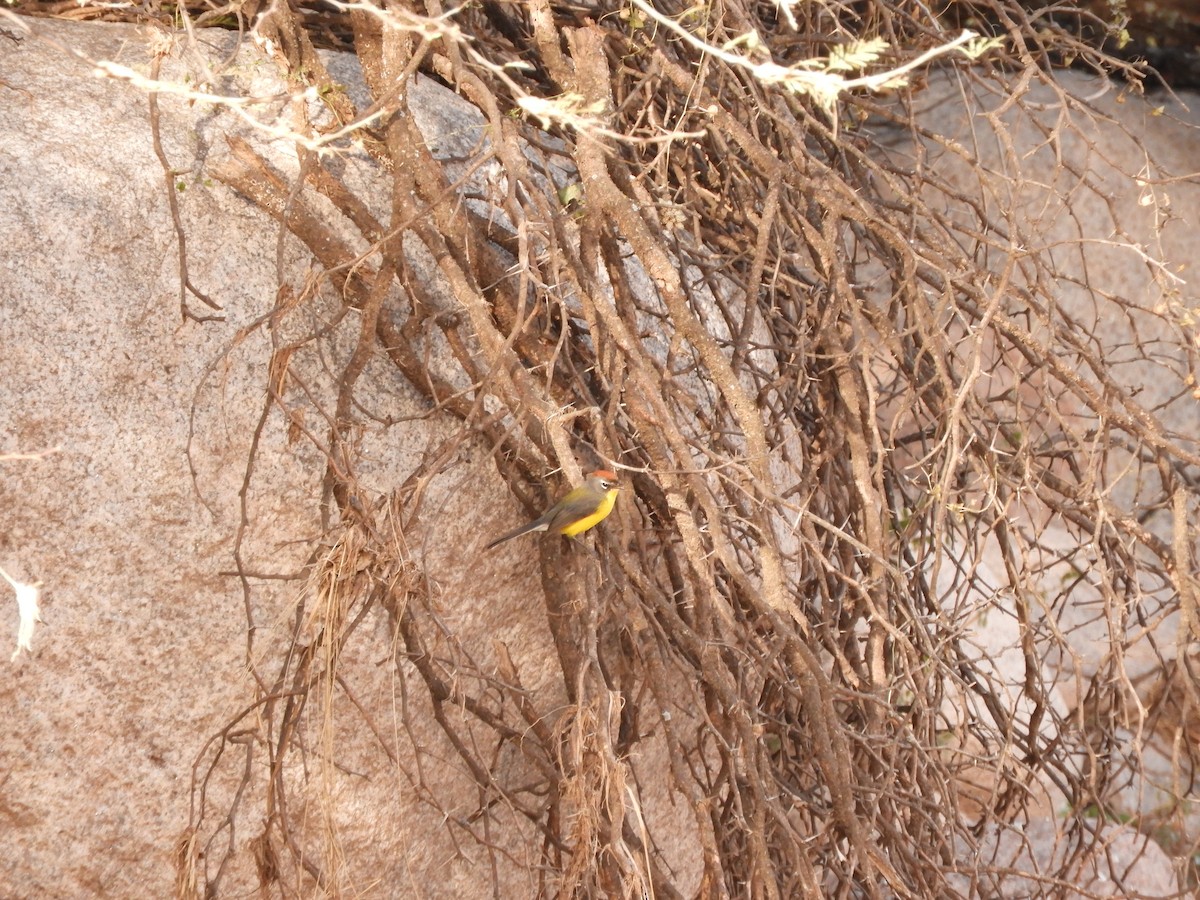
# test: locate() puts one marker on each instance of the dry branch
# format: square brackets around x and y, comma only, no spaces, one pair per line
[765,313]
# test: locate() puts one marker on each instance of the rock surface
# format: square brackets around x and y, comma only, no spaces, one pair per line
[134,523]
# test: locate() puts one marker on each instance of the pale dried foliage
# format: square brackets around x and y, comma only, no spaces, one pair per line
[765,316]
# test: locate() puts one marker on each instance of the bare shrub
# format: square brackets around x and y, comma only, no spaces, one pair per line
[849,408]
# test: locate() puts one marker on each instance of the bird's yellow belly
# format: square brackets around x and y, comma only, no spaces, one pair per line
[602,511]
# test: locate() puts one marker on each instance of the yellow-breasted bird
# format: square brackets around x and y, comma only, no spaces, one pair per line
[585,506]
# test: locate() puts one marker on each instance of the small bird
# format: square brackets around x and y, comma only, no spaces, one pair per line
[585,506]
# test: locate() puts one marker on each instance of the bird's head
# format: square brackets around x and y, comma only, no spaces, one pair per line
[604,480]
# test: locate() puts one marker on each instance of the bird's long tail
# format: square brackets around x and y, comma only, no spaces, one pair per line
[524,529]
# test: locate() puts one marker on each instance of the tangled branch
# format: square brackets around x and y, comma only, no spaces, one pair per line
[857,418]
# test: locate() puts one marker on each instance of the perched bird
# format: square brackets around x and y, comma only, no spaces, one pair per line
[585,506]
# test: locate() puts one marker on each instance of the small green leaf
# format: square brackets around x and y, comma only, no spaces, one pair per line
[570,194]
[856,55]
[976,48]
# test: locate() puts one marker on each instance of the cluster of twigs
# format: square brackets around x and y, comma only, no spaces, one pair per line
[748,301]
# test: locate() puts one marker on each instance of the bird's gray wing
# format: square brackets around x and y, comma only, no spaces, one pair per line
[570,511]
